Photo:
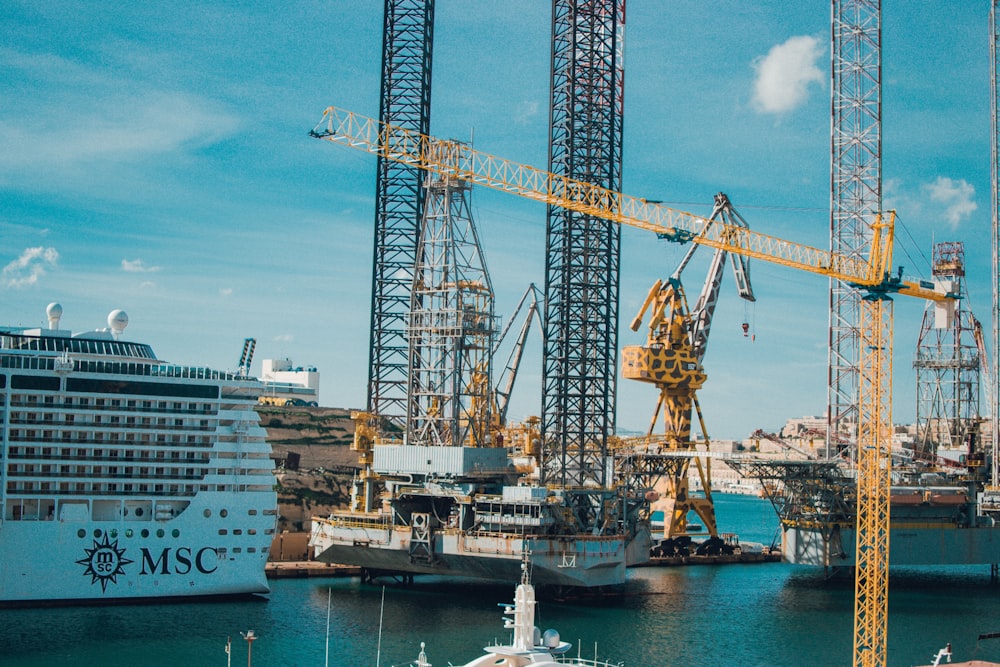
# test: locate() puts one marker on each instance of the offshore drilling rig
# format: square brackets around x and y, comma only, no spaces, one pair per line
[574,497]
[444,499]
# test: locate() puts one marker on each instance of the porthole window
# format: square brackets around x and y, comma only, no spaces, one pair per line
[138,511]
[128,532]
[97,532]
[145,532]
[223,513]
[113,532]
[207,512]
[159,532]
[81,533]
[176,533]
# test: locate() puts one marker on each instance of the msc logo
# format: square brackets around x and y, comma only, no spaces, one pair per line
[184,559]
[104,562]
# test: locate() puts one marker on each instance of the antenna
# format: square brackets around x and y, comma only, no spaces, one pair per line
[381,611]
[54,313]
[329,592]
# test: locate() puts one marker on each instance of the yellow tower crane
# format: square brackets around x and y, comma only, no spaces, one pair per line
[871,276]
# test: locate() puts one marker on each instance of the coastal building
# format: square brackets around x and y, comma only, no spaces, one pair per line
[288,384]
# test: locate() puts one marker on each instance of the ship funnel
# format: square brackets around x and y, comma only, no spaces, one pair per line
[54,313]
[117,320]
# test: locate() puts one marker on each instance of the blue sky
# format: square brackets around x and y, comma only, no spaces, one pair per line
[154,157]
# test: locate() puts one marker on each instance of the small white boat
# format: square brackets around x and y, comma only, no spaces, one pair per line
[528,646]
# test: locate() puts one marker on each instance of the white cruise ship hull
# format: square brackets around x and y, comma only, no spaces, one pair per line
[92,561]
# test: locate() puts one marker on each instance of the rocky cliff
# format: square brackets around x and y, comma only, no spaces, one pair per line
[321,439]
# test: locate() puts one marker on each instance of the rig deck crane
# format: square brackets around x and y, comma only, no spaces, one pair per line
[872,277]
[505,384]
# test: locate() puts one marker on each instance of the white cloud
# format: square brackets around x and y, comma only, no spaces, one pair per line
[527,111]
[156,125]
[112,120]
[226,291]
[784,74]
[29,267]
[284,338]
[137,266]
[955,198]
[897,197]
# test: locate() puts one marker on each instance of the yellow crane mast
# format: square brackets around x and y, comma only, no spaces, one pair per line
[871,276]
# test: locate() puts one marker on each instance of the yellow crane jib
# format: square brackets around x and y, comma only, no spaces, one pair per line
[460,160]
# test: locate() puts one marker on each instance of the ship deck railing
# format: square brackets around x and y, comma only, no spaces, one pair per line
[109,445]
[342,521]
[145,369]
[37,475]
[20,491]
[109,426]
[119,405]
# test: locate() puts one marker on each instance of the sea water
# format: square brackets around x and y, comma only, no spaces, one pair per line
[763,614]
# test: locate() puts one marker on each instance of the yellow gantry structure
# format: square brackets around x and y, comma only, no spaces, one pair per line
[871,276]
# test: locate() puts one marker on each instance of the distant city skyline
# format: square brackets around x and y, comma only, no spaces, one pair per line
[156,158]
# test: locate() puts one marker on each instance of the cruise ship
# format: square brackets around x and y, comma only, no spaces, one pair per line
[125,477]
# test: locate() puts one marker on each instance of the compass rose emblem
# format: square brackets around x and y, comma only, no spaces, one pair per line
[104,562]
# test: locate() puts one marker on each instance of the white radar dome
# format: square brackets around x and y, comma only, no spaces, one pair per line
[54,312]
[550,638]
[118,320]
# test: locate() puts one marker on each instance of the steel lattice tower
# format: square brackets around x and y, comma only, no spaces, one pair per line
[855,188]
[452,326]
[947,363]
[582,252]
[399,201]
[995,187]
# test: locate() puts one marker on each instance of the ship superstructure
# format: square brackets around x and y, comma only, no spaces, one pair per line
[125,476]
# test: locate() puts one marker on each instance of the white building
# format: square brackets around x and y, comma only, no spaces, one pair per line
[287,384]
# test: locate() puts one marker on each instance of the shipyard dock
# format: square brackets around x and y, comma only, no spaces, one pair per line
[301,569]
